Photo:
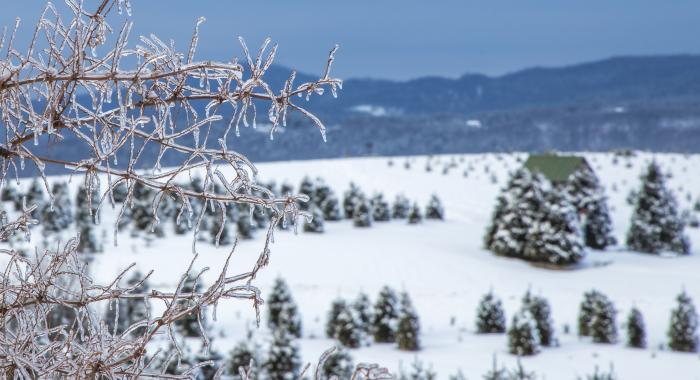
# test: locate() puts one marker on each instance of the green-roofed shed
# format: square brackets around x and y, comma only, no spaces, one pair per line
[555,168]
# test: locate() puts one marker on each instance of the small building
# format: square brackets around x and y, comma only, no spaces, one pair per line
[556,168]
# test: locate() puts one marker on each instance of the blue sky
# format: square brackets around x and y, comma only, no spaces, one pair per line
[402,39]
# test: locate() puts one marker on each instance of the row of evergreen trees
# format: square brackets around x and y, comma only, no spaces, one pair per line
[532,327]
[322,204]
[537,221]
[392,319]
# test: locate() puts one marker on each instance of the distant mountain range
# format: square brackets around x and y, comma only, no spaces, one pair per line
[647,103]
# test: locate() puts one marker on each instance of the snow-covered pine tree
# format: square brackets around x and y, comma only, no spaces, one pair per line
[189,325]
[519,373]
[496,216]
[683,329]
[141,210]
[348,331]
[418,372]
[339,365]
[240,356]
[316,223]
[244,227]
[555,237]
[131,310]
[85,213]
[362,216]
[523,336]
[587,310]
[385,316]
[434,210]
[414,214]
[408,327]
[656,226]
[636,333]
[331,208]
[61,216]
[337,306]
[120,192]
[307,188]
[589,200]
[400,207]
[351,199]
[283,313]
[525,194]
[283,359]
[603,327]
[363,308]
[380,208]
[490,317]
[35,195]
[539,309]
[321,192]
[9,191]
[496,372]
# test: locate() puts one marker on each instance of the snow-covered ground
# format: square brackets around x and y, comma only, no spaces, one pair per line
[445,269]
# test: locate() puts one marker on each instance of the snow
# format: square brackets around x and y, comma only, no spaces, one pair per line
[443,267]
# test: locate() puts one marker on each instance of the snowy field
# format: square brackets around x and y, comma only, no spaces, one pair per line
[445,269]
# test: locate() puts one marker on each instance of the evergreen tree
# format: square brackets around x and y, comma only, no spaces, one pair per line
[85,214]
[282,310]
[496,372]
[35,194]
[307,188]
[603,328]
[131,310]
[338,365]
[418,372]
[283,359]
[399,210]
[363,308]
[587,311]
[9,191]
[656,225]
[189,325]
[408,329]
[337,306]
[524,196]
[240,356]
[61,216]
[519,373]
[385,316]
[348,331]
[120,192]
[380,208]
[331,208]
[176,362]
[351,199]
[321,192]
[434,210]
[362,216]
[316,223]
[589,200]
[490,317]
[244,227]
[541,312]
[414,215]
[683,331]
[523,336]
[556,236]
[636,333]
[494,224]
